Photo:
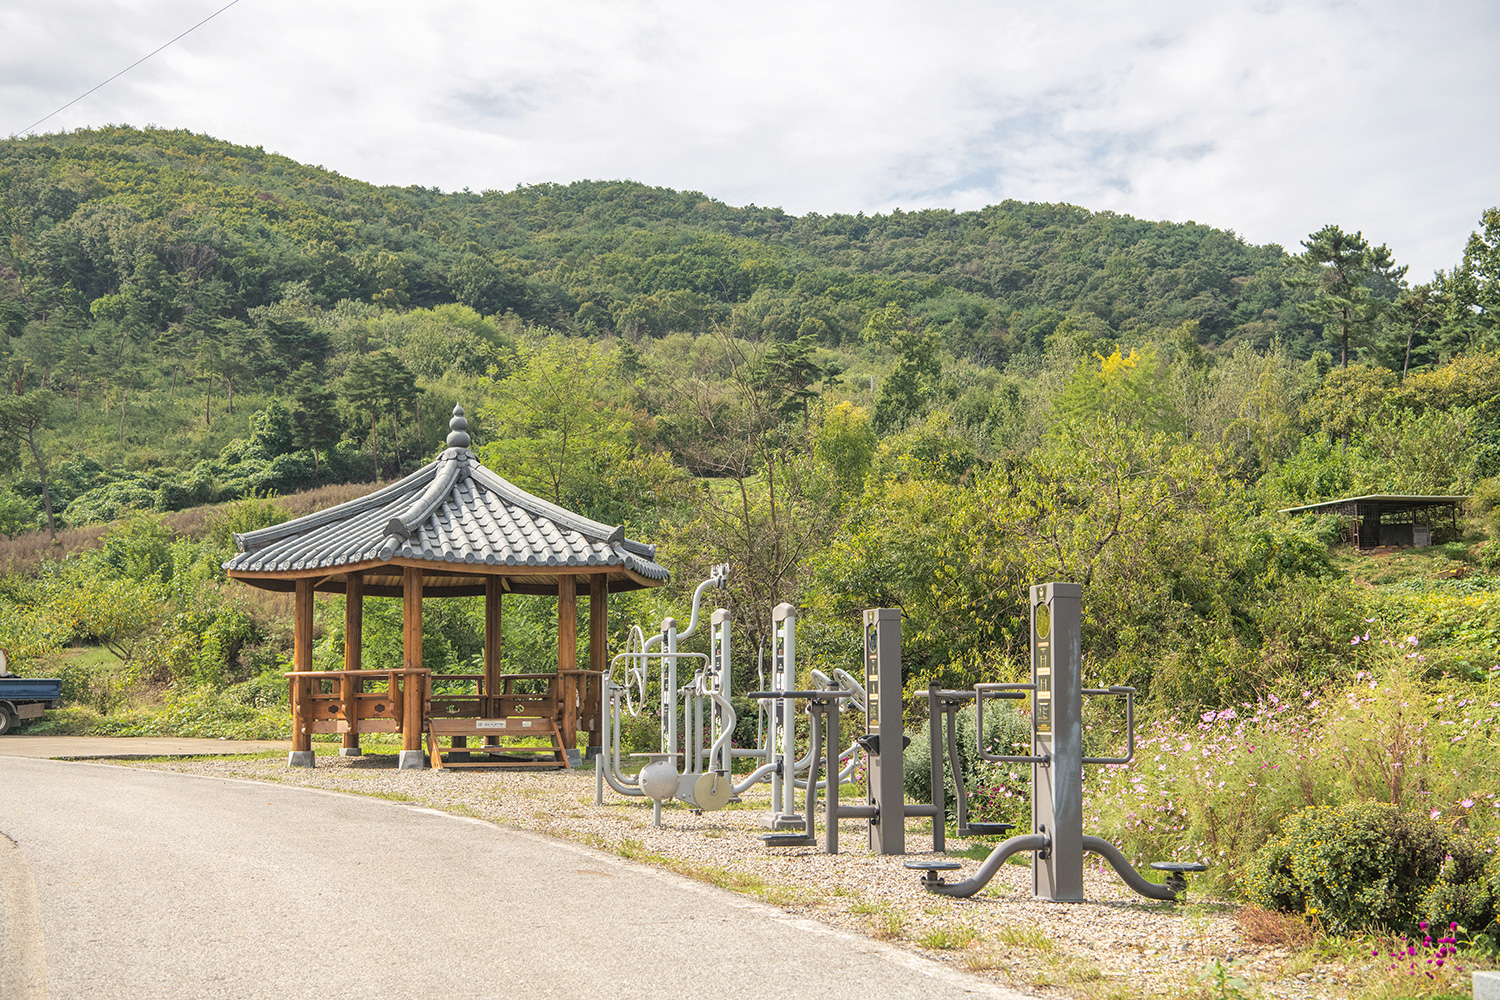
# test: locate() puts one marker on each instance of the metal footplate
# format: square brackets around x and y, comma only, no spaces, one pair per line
[789,840]
[985,829]
[930,870]
[1175,871]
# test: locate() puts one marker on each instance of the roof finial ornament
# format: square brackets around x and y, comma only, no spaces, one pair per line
[458,429]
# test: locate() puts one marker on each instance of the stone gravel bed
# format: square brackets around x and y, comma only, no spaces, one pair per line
[1116,945]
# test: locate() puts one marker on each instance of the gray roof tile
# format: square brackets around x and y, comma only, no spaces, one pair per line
[452,511]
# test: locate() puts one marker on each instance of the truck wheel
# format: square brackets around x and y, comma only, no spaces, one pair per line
[8,720]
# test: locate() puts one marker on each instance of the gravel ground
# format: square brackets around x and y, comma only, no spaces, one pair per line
[1116,945]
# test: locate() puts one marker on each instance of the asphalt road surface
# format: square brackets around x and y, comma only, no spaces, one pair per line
[26,745]
[124,883]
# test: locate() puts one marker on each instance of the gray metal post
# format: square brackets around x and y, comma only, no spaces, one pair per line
[935,769]
[882,627]
[1057,786]
[831,762]
[719,644]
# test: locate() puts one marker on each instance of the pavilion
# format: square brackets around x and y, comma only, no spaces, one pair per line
[452,528]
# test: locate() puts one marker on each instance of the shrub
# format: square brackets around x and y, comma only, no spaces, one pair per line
[1364,866]
[107,503]
[263,691]
[1005,731]
[1464,893]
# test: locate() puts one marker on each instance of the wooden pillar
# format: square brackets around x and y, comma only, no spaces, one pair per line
[599,622]
[598,652]
[354,639]
[493,644]
[567,656]
[411,645]
[302,639]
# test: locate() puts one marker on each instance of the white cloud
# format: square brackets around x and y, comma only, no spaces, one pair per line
[1271,119]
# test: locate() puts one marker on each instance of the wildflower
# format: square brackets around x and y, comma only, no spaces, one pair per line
[1411,640]
[1435,814]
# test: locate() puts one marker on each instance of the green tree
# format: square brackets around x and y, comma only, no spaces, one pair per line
[118,614]
[907,390]
[1129,390]
[845,442]
[1411,323]
[1343,270]
[315,417]
[23,419]
[361,389]
[1476,282]
[556,422]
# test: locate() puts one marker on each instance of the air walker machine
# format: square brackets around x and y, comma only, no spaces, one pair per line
[1056,841]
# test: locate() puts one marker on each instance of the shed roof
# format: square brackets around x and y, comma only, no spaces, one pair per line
[1379,503]
[460,523]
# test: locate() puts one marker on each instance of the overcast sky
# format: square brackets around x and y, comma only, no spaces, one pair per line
[1271,119]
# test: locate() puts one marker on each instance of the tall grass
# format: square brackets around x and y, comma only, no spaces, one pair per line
[1217,787]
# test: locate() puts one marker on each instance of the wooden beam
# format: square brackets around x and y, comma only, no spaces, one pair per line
[302,639]
[411,646]
[354,653]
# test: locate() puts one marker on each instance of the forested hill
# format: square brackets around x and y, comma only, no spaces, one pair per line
[162,228]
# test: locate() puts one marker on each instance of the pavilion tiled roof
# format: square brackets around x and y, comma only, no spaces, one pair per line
[453,511]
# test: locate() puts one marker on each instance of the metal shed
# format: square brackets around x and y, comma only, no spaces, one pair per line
[452,528]
[1383,519]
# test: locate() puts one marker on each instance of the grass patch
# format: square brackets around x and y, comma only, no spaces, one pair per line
[949,938]
[886,925]
[781,895]
[1025,936]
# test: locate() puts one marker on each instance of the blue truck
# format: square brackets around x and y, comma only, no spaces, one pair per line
[26,698]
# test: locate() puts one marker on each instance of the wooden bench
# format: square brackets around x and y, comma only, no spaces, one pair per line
[498,729]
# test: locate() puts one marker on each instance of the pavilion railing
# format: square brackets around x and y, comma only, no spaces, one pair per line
[358,701]
[571,698]
[400,701]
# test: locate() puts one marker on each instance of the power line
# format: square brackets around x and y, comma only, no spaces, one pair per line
[127,69]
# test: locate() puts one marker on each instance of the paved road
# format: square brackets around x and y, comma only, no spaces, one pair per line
[129,746]
[127,883]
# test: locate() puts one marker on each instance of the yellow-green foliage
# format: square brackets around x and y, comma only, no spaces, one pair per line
[1369,866]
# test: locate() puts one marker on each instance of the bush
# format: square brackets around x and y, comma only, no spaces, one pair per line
[1005,731]
[1464,892]
[108,503]
[1368,866]
[263,691]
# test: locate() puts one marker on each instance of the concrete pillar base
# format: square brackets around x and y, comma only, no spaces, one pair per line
[351,752]
[1487,986]
[299,758]
[575,756]
[593,753]
[411,760]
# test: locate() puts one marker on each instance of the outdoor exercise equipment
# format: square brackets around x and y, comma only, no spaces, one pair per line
[697,718]
[1057,842]
[885,739]
[886,808]
[698,721]
[699,707]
